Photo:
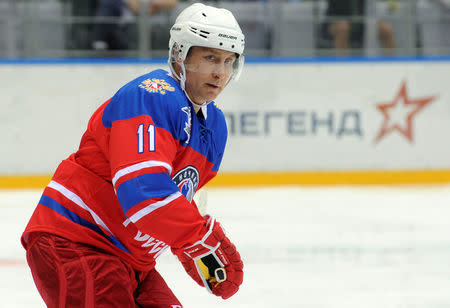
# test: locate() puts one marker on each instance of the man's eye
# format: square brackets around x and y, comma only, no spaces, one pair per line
[209,58]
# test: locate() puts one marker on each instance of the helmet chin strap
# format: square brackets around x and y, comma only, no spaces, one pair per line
[182,79]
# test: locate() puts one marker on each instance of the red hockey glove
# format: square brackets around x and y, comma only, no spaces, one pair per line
[213,262]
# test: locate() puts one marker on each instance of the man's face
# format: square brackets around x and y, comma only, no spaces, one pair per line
[208,71]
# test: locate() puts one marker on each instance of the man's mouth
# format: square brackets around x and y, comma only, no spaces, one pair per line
[212,85]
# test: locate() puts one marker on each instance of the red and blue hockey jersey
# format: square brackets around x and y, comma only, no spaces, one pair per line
[128,189]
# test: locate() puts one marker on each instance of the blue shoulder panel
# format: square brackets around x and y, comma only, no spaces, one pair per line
[216,120]
[155,94]
[209,136]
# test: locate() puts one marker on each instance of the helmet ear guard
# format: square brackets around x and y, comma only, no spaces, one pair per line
[176,55]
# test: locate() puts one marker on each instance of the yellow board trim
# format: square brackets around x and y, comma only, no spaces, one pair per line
[24,181]
[372,177]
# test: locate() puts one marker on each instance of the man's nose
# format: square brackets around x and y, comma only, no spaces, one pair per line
[219,70]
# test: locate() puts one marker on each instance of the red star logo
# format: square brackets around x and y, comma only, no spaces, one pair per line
[410,108]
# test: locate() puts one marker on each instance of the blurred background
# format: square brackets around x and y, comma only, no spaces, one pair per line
[275,28]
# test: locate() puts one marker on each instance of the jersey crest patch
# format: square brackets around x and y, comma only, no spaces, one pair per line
[156,85]
[187,181]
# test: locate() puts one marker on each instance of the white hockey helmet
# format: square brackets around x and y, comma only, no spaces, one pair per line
[205,26]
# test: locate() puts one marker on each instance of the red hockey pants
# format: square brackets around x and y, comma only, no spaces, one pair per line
[69,274]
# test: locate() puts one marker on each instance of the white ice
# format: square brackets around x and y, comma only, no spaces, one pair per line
[328,247]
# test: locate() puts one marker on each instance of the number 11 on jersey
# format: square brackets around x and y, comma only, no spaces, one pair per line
[141,136]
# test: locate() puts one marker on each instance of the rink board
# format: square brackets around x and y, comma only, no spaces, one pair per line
[290,122]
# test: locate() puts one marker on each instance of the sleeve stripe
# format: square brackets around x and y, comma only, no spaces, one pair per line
[77,200]
[150,208]
[144,187]
[139,166]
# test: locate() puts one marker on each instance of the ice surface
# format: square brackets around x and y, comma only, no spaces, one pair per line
[329,247]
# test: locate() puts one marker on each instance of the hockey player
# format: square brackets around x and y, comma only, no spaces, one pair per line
[126,195]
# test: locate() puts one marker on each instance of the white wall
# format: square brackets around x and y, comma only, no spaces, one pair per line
[282,116]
